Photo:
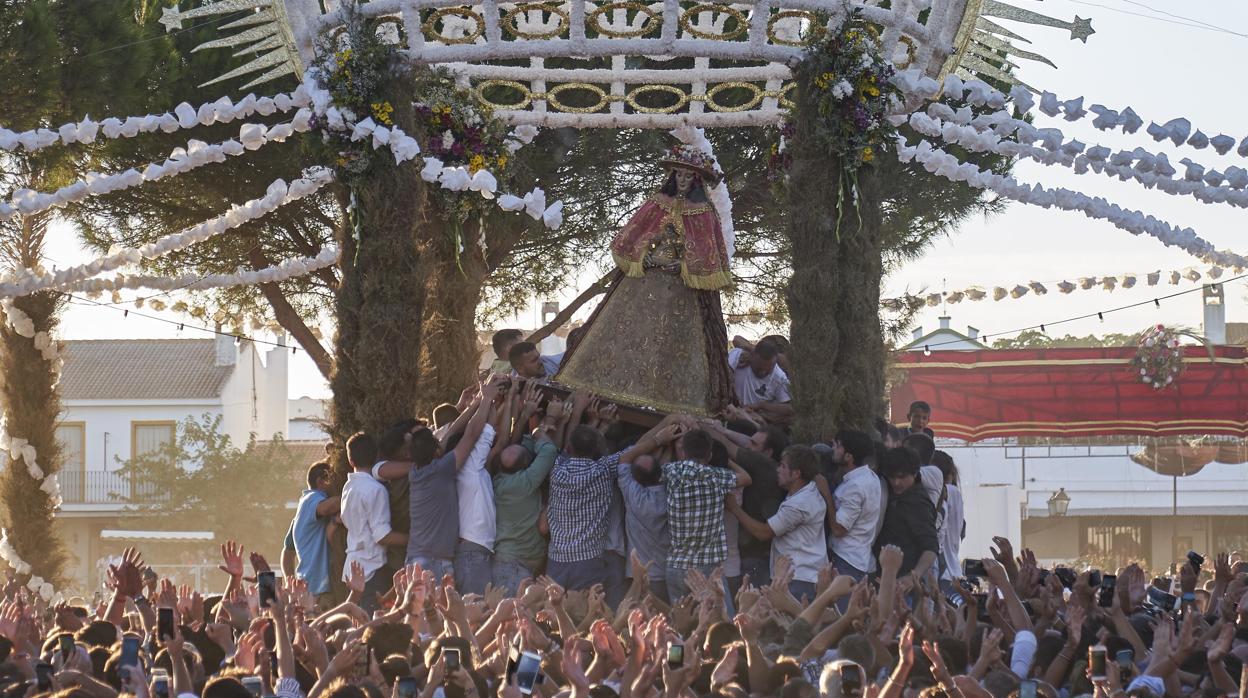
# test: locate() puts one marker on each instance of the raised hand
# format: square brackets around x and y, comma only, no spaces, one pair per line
[1003,550]
[10,615]
[310,644]
[128,576]
[668,434]
[573,656]
[891,558]
[782,575]
[344,661]
[746,625]
[555,595]
[990,647]
[167,597]
[940,671]
[609,413]
[232,559]
[676,681]
[355,581]
[259,564]
[555,409]
[1075,618]
[726,670]
[905,645]
[250,645]
[696,581]
[530,398]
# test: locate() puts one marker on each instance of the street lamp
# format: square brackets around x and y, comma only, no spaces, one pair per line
[1059,502]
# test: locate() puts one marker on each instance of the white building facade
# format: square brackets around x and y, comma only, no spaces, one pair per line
[128,397]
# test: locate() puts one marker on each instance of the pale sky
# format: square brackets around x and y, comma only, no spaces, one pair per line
[1151,63]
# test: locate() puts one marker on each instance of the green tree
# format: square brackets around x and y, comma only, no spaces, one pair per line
[59,62]
[1035,339]
[202,480]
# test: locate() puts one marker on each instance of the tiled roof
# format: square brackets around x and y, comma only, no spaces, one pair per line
[142,369]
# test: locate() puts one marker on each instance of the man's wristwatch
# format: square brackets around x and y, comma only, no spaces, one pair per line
[139,599]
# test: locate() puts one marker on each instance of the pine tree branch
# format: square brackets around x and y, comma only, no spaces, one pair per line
[289,318]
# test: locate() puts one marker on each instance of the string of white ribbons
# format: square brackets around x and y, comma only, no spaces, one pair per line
[404,147]
[184,116]
[278,194]
[1178,131]
[944,164]
[288,269]
[195,154]
[979,292]
[1153,171]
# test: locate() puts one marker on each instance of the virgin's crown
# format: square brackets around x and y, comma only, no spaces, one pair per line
[690,156]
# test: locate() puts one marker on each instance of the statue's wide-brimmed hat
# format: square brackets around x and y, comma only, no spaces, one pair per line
[690,158]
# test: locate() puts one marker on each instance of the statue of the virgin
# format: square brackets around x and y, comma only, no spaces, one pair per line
[658,339]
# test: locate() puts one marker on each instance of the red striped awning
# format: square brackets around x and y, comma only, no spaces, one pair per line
[1072,392]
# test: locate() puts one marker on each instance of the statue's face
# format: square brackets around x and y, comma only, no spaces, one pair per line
[684,180]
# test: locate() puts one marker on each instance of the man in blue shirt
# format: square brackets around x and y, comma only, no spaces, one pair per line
[308,534]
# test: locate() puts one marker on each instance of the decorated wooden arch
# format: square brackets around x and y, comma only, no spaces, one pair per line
[627,63]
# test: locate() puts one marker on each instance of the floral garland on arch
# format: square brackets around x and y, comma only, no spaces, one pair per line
[855,94]
[1158,357]
[460,133]
[464,145]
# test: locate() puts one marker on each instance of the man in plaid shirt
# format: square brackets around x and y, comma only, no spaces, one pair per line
[581,487]
[695,510]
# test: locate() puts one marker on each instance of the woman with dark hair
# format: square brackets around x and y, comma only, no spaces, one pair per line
[664,311]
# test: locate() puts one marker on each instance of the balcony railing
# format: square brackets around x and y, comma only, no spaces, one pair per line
[99,487]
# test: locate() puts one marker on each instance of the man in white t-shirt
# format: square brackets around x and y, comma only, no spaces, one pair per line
[762,386]
[854,508]
[796,529]
[366,515]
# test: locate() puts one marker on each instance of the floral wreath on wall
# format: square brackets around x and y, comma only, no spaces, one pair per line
[1158,356]
[854,89]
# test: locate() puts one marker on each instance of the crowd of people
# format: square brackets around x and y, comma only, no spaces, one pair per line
[522,544]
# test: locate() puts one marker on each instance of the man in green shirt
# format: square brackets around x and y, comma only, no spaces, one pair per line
[519,548]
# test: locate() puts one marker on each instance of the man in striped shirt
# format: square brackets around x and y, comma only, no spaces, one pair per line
[695,510]
[582,486]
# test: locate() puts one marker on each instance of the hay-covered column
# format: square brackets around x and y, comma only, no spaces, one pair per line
[29,370]
[835,233]
[379,302]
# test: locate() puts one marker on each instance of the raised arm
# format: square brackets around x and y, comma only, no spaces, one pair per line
[502,426]
[477,424]
[663,433]
[731,440]
[461,422]
[580,403]
[1019,617]
[530,403]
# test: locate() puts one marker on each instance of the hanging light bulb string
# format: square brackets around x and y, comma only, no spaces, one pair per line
[1100,314]
[181,325]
